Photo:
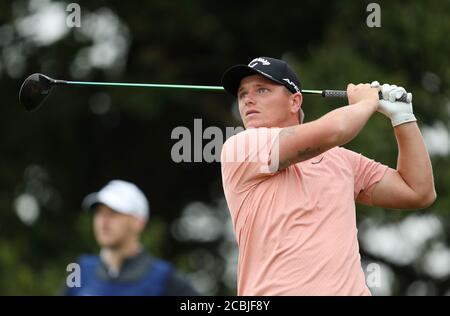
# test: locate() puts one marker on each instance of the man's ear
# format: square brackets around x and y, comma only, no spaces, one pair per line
[139,224]
[296,102]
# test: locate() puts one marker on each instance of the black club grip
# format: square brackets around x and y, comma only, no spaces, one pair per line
[343,94]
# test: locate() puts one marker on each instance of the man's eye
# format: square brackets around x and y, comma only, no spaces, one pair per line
[263,90]
[243,94]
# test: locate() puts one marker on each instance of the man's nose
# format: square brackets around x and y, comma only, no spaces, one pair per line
[248,99]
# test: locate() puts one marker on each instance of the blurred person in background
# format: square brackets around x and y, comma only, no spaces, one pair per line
[123,267]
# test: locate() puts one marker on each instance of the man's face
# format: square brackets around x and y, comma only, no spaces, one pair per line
[263,103]
[113,229]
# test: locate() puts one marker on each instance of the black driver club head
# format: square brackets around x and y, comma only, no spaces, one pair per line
[34,90]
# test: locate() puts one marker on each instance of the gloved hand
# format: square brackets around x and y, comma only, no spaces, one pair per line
[398,112]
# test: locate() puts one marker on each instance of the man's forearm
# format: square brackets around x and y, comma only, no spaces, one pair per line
[414,163]
[302,142]
[351,119]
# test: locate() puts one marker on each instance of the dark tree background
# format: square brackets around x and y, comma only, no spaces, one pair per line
[85,136]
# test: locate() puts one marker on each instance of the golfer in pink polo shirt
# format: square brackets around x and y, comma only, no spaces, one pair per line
[291,189]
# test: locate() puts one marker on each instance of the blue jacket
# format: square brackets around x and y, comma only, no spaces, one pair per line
[141,275]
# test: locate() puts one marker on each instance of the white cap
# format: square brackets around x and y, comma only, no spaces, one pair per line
[123,197]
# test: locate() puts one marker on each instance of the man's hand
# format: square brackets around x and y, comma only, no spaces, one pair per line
[362,92]
[398,112]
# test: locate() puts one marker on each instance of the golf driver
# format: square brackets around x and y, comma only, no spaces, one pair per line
[37,87]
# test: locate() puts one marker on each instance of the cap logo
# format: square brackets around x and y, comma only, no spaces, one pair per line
[291,84]
[255,61]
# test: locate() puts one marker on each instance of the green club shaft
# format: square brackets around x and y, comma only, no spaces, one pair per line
[146,85]
[312,92]
[162,86]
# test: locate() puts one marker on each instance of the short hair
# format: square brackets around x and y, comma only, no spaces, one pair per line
[301,115]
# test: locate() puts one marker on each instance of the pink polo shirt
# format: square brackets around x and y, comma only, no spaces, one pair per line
[296,228]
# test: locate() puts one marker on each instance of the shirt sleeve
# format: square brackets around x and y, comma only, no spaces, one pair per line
[367,173]
[249,157]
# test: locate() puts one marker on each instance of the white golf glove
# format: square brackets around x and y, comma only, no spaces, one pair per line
[398,112]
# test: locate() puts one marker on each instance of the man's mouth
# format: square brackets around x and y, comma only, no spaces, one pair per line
[251,112]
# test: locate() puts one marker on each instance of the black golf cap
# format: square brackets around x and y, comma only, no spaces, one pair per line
[273,69]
